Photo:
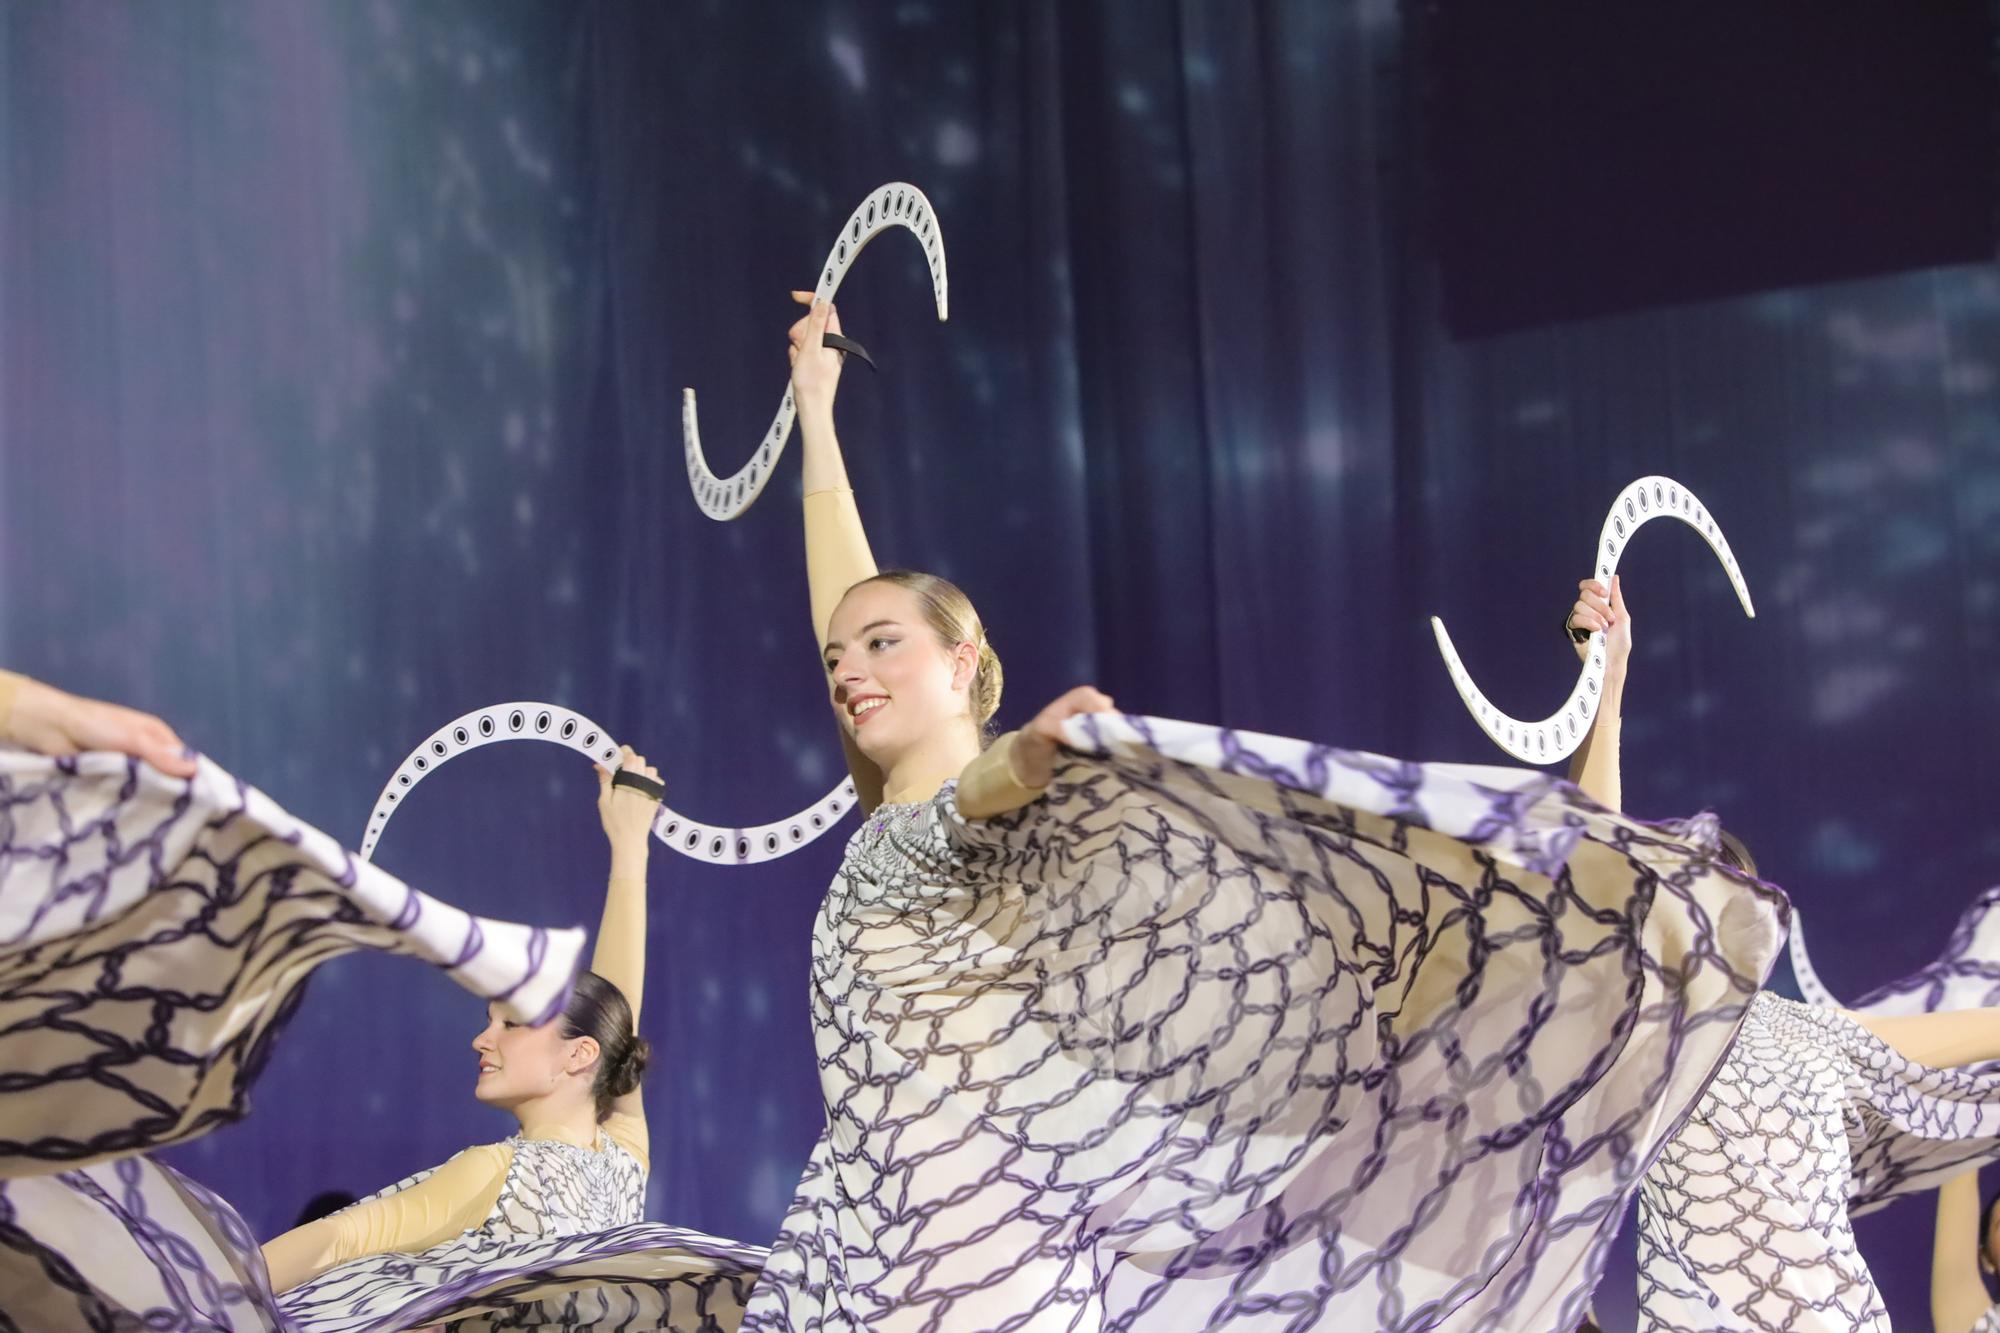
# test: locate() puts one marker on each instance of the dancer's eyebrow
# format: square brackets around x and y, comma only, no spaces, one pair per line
[835,645]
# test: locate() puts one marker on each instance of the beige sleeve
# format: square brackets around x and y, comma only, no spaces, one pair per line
[449,1202]
[620,953]
[10,685]
[988,786]
[837,558]
[629,1132]
[1958,1293]
[1595,768]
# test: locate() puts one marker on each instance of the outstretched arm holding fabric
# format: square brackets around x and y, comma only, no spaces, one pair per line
[53,722]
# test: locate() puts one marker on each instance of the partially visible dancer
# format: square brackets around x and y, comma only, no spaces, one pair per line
[559,1202]
[1964,1258]
[165,897]
[1814,1117]
[1131,1023]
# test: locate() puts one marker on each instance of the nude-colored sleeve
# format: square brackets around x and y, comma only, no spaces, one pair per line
[1958,1294]
[629,1132]
[837,554]
[989,787]
[837,558]
[449,1202]
[1595,768]
[10,685]
[620,952]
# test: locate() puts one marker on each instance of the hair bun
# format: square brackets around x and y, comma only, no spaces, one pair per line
[987,681]
[630,1067]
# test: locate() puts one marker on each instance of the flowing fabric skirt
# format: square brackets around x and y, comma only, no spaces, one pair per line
[1745,1220]
[1234,1031]
[154,936]
[136,1244]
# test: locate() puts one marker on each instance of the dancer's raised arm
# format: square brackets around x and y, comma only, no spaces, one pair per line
[1595,765]
[837,554]
[620,953]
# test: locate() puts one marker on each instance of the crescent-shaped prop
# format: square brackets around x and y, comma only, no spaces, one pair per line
[1965,976]
[1811,989]
[892,205]
[1557,736]
[526,720]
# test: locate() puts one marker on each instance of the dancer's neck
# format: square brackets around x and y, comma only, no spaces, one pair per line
[572,1122]
[920,771]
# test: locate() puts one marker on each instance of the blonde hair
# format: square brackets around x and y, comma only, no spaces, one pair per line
[948,611]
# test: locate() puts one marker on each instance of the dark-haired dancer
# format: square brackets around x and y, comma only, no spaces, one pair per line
[572,1176]
[1814,1117]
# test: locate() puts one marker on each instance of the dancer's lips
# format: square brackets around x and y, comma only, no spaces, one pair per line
[865,706]
[485,1069]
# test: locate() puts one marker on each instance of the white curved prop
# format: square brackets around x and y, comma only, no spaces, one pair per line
[1556,736]
[525,720]
[892,205]
[1811,989]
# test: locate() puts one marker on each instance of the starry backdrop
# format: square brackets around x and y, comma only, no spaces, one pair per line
[343,347]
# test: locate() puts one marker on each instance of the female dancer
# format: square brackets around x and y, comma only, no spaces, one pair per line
[533,1219]
[1814,1116]
[1967,1249]
[1132,1023]
[221,904]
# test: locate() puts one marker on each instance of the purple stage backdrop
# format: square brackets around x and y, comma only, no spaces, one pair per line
[343,347]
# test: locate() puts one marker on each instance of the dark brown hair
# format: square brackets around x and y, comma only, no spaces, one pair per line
[598,1010]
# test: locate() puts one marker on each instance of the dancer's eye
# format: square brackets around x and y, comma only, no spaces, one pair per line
[877,645]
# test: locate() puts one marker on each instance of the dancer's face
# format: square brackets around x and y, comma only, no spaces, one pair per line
[519,1062]
[893,684]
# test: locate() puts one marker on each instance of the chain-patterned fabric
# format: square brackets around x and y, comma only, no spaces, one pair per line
[563,1249]
[1229,1030]
[1744,1220]
[155,932]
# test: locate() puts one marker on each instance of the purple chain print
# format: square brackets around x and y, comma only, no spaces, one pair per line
[1812,1121]
[1232,1031]
[153,936]
[564,1248]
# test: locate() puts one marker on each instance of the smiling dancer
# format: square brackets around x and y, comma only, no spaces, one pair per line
[1132,1023]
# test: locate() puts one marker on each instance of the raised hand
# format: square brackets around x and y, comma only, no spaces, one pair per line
[815,368]
[627,815]
[1034,757]
[49,721]
[1600,608]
